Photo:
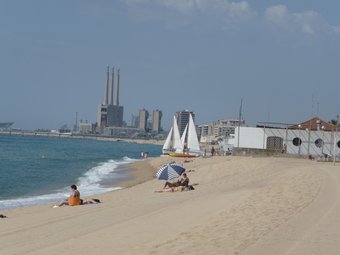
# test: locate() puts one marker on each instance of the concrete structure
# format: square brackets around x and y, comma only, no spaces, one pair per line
[183,119]
[110,113]
[6,125]
[156,121]
[85,128]
[143,119]
[294,139]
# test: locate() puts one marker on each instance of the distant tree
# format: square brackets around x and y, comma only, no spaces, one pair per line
[334,122]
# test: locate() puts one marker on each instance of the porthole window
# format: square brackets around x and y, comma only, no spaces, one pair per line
[318,142]
[297,141]
[338,144]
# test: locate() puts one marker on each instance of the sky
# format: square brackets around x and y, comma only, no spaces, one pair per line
[282,58]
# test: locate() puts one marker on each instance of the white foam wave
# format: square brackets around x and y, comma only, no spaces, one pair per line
[34,200]
[89,183]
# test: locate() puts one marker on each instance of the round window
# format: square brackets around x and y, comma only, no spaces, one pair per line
[338,144]
[318,142]
[297,141]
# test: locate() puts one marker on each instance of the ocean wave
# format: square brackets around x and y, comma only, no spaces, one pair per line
[90,181]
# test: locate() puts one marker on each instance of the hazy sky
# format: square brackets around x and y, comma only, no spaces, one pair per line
[281,57]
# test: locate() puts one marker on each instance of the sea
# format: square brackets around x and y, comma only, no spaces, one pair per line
[40,170]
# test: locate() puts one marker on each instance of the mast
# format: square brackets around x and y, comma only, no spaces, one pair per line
[239,124]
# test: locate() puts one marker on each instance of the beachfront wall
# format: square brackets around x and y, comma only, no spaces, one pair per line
[291,141]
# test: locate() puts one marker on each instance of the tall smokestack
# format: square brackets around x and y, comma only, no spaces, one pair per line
[117,89]
[111,87]
[107,85]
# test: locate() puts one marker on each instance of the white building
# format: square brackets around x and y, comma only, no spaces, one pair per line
[301,140]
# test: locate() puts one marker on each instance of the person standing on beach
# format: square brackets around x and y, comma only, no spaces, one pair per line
[212,151]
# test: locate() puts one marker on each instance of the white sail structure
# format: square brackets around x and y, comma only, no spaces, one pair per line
[168,142]
[174,143]
[184,135]
[178,145]
[193,143]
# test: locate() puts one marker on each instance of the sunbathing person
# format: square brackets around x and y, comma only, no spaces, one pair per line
[73,199]
[173,189]
[179,188]
[184,181]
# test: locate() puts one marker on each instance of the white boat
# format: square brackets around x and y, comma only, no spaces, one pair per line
[168,143]
[185,146]
[193,144]
[173,141]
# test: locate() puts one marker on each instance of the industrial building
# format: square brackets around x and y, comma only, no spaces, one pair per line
[110,112]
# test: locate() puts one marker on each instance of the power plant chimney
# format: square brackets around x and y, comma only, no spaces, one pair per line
[111,87]
[117,89]
[107,85]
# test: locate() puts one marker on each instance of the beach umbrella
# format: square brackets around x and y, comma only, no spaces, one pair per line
[170,171]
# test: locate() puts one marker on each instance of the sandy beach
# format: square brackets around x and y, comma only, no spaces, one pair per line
[242,205]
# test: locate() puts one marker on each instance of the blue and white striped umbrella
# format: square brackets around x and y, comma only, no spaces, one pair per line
[170,171]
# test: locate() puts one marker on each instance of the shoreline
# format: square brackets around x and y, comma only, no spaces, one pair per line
[79,136]
[135,173]
[129,175]
[145,170]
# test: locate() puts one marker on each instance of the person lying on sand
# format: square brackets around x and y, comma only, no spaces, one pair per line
[184,182]
[83,202]
[90,201]
[172,189]
[179,188]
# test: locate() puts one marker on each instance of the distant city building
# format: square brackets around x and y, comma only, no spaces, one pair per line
[156,121]
[203,130]
[183,119]
[123,132]
[110,113]
[143,119]
[85,127]
[220,128]
[226,127]
[134,121]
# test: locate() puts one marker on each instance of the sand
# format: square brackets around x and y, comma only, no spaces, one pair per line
[242,205]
